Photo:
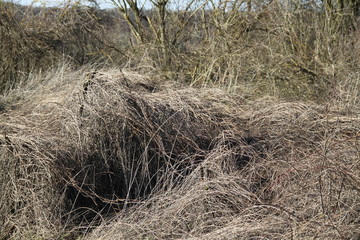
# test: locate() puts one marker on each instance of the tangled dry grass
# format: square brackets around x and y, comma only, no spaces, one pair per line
[117,155]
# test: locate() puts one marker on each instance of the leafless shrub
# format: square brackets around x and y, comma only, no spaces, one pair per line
[35,39]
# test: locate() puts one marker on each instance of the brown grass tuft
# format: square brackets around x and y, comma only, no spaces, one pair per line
[127,157]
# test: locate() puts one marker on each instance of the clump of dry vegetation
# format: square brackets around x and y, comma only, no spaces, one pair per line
[228,120]
[174,162]
[34,39]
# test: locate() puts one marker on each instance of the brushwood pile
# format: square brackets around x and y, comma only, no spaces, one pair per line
[112,154]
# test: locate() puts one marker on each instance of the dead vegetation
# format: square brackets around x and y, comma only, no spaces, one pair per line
[223,120]
[35,39]
[115,155]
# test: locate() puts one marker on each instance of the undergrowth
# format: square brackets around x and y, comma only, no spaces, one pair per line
[223,120]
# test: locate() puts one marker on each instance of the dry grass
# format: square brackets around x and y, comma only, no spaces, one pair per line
[118,155]
[226,124]
[301,181]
